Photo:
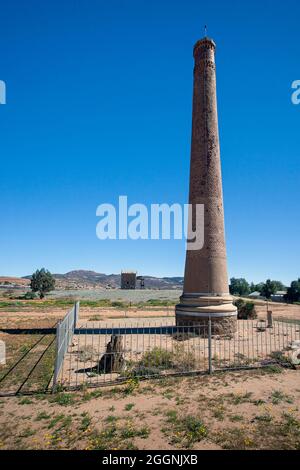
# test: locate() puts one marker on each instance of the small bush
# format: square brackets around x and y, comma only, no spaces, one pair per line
[63,399]
[265,418]
[159,302]
[142,371]
[184,430]
[158,357]
[183,360]
[272,369]
[155,361]
[129,406]
[245,310]
[131,385]
[118,304]
[29,296]
[283,360]
[239,303]
[130,431]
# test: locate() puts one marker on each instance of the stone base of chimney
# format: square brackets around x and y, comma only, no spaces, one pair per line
[195,310]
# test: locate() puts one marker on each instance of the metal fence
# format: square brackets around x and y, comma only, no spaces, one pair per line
[100,354]
[64,334]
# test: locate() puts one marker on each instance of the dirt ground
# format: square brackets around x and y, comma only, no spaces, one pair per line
[256,409]
[279,309]
[48,316]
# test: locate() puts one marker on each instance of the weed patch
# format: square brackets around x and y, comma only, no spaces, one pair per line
[184,431]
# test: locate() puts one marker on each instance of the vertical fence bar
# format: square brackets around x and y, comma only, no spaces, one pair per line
[56,366]
[70,350]
[76,314]
[77,359]
[210,369]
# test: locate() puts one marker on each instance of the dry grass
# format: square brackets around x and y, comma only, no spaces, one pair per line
[236,410]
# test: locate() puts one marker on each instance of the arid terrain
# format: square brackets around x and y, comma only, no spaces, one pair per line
[233,410]
[123,305]
[249,409]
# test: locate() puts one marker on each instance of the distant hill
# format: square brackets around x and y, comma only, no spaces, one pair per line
[83,279]
[13,281]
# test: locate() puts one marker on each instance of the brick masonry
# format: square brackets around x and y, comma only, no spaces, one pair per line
[206,269]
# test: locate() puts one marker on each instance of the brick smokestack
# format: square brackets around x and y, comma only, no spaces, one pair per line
[206,292]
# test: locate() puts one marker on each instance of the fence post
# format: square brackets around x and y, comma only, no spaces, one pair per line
[270,318]
[210,369]
[76,314]
[57,345]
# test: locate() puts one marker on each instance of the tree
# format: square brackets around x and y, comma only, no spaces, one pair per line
[279,285]
[42,282]
[269,288]
[256,287]
[239,286]
[293,292]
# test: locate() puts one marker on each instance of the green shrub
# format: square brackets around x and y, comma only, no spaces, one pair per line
[245,310]
[29,296]
[158,357]
[63,399]
[118,304]
[143,371]
[184,430]
[239,303]
[183,360]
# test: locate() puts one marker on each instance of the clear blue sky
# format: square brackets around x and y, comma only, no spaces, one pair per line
[99,105]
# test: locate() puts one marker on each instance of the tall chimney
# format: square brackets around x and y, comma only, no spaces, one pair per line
[206,291]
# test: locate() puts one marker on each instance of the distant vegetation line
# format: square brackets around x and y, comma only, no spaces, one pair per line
[241,287]
[61,303]
[43,282]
